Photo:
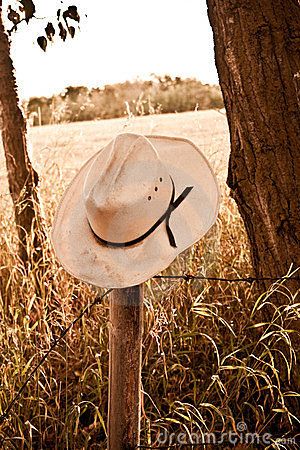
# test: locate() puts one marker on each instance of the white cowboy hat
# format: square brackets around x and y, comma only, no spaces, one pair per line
[132,208]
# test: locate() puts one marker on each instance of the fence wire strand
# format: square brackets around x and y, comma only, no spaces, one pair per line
[187,277]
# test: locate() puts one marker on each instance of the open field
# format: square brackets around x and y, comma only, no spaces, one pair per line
[69,146]
[210,363]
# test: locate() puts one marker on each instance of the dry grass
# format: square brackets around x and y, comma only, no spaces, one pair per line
[209,361]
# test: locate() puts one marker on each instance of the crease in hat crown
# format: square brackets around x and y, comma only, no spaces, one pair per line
[132,189]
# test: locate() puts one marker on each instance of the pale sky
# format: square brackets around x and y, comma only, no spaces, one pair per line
[119,40]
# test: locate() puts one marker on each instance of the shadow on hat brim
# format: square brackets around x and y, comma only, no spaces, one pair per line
[83,257]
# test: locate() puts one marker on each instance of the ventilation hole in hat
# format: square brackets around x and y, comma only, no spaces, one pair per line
[160,179]
[156,188]
[149,198]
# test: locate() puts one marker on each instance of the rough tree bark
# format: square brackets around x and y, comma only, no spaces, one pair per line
[22,178]
[257,51]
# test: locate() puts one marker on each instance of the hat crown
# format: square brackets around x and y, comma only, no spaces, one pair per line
[132,189]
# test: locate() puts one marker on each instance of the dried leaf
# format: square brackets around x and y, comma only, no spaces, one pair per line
[71,13]
[71,31]
[28,8]
[62,31]
[42,41]
[50,31]
[13,16]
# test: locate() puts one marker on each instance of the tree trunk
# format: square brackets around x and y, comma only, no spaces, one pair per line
[257,51]
[22,178]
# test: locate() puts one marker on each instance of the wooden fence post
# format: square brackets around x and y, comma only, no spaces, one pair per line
[125,358]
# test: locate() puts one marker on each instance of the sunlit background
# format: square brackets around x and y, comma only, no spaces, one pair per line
[119,40]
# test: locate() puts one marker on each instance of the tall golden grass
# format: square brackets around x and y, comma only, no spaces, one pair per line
[210,361]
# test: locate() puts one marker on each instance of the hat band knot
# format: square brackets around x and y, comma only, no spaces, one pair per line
[165,217]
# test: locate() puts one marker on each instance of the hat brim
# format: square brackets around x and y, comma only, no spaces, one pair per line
[83,257]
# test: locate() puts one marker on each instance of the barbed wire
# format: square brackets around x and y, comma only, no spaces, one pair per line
[187,277]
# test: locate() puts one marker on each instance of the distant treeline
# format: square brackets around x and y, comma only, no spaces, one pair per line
[157,95]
